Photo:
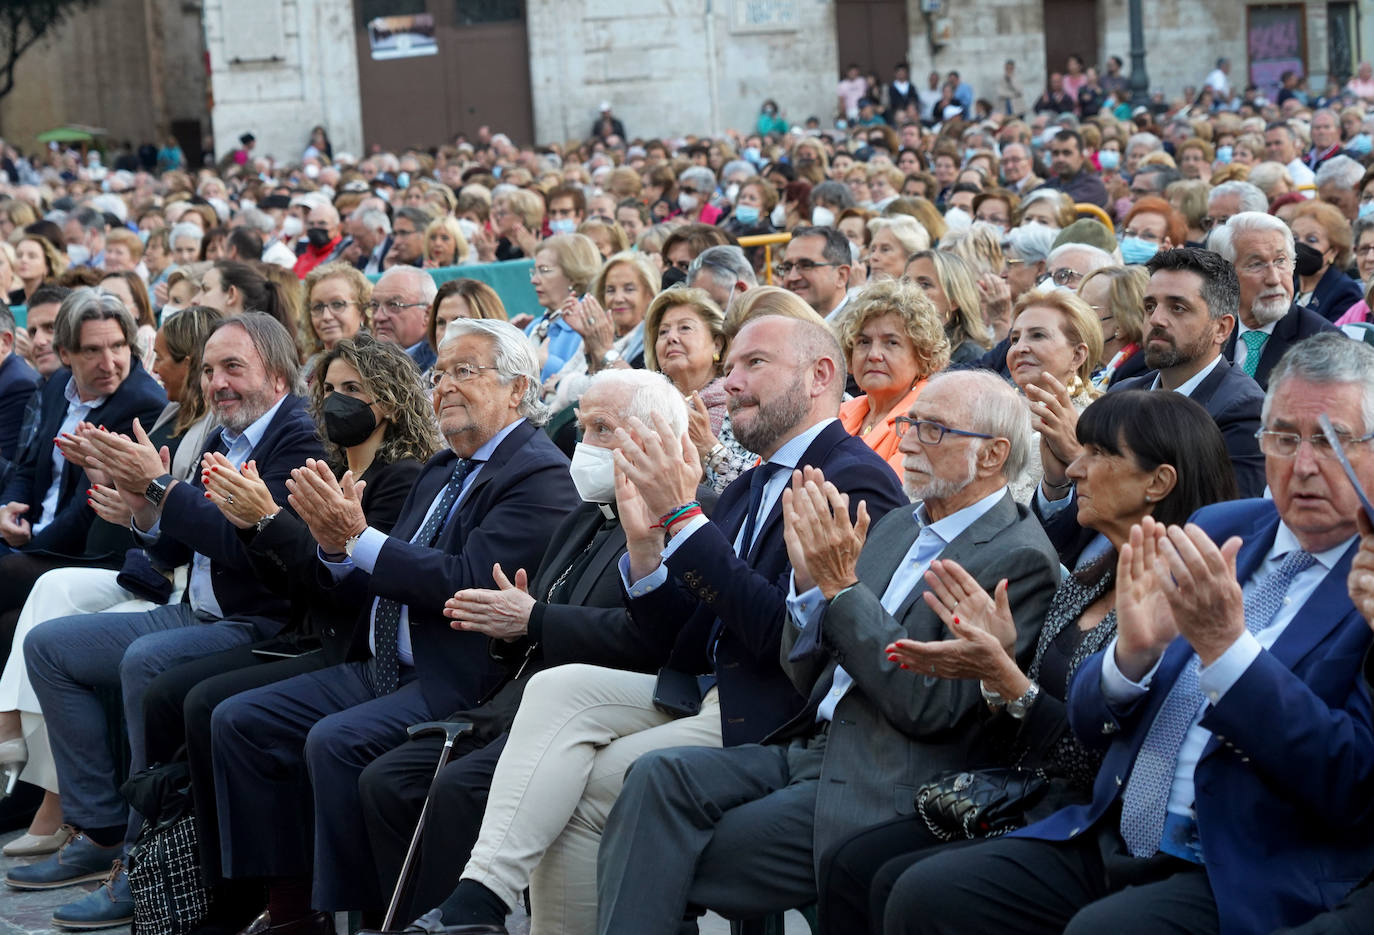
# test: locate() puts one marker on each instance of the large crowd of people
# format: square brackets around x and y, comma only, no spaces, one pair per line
[988,553]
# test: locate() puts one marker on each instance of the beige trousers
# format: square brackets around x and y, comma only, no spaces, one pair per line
[578,729]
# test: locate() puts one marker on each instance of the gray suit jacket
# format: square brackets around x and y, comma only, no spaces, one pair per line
[896,729]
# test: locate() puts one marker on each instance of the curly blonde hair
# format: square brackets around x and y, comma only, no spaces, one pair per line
[917,313]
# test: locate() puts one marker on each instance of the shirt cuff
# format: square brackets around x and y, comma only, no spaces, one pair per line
[147,536]
[1216,679]
[693,524]
[1116,687]
[805,608]
[367,548]
[338,570]
[643,586]
[1047,506]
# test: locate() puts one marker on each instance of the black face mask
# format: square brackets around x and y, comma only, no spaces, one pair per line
[672,276]
[1308,260]
[317,236]
[347,421]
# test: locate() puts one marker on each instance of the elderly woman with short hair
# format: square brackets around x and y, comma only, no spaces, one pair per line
[893,341]
[1329,291]
[893,240]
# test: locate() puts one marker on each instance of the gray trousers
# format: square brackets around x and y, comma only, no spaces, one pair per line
[696,828]
[69,657]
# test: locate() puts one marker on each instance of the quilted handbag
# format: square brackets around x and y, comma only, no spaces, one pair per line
[985,803]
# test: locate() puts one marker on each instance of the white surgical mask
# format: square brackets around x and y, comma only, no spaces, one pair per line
[822,216]
[77,253]
[687,202]
[593,473]
[292,226]
[731,192]
[779,216]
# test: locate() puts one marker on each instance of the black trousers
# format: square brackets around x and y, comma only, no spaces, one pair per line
[393,789]
[177,711]
[1086,886]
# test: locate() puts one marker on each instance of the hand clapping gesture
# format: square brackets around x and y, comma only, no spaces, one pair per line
[331,508]
[822,543]
[240,494]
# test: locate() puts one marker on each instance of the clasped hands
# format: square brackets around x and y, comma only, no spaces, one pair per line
[1172,581]
[239,493]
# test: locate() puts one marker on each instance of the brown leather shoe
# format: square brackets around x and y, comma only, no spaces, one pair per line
[317,923]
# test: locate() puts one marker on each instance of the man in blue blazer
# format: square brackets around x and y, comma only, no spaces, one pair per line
[250,367]
[713,598]
[17,382]
[1234,796]
[495,497]
[1261,248]
[44,503]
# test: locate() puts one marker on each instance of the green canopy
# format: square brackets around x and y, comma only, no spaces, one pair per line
[72,133]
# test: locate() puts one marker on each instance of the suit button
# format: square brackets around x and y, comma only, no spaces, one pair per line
[329,631]
[1074,832]
[1118,780]
[1221,738]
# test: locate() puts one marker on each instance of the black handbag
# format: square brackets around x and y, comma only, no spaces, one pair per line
[170,895]
[985,803]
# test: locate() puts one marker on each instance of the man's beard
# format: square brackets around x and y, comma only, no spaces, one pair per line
[1269,309]
[1173,355]
[940,488]
[252,407]
[770,422]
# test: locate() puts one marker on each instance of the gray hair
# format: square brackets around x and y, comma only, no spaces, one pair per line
[86,304]
[89,218]
[1223,239]
[726,264]
[834,193]
[995,408]
[181,230]
[1324,359]
[1147,140]
[273,344]
[699,177]
[7,324]
[1097,257]
[417,216]
[739,167]
[648,392]
[418,279]
[1340,170]
[258,220]
[373,219]
[1031,243]
[1249,196]
[516,357]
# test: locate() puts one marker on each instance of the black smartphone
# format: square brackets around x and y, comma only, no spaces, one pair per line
[677,693]
[1334,441]
[286,649]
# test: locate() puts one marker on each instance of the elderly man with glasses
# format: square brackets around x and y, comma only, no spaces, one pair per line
[816,267]
[400,303]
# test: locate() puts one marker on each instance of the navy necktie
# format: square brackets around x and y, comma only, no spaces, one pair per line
[387,620]
[758,480]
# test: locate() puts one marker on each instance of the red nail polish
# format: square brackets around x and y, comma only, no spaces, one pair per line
[956,619]
[905,666]
[207,496]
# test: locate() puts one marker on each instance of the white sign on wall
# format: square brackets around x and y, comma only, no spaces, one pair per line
[765,16]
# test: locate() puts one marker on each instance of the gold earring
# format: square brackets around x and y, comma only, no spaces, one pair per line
[715,358]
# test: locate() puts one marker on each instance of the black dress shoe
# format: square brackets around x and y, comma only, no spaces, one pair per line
[317,923]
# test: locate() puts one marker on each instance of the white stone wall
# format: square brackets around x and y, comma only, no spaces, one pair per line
[279,88]
[656,63]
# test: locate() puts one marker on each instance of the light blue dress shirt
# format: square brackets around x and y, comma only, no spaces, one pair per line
[77,411]
[806,609]
[369,546]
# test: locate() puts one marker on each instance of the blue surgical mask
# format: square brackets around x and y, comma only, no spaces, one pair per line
[747,214]
[752,154]
[1135,250]
[1108,159]
[1359,144]
[1224,153]
[563,226]
[403,179]
[1366,209]
[969,152]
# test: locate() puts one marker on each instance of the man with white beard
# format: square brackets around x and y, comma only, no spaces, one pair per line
[1261,249]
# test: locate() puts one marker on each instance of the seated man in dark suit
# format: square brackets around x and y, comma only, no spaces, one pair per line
[571,611]
[740,830]
[1261,249]
[17,382]
[249,369]
[494,497]
[45,502]
[42,317]
[1239,739]
[712,602]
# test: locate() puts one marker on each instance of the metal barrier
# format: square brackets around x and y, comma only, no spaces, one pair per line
[766,241]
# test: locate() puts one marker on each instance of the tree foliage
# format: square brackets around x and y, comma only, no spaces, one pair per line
[23,23]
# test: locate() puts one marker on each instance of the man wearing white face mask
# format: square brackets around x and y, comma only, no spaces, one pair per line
[570,611]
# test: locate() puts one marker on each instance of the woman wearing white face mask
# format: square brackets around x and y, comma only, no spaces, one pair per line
[828,199]
[695,186]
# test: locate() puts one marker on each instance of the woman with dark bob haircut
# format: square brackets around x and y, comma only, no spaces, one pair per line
[377,426]
[1143,454]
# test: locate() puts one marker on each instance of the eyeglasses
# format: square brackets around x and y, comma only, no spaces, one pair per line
[1366,250]
[539,272]
[801,266]
[1208,222]
[393,306]
[1286,444]
[931,433]
[1146,236]
[337,306]
[458,373]
[1066,276]
[1259,267]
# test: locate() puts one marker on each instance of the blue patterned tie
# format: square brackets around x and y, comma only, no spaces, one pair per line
[1145,801]
[387,619]
[1254,346]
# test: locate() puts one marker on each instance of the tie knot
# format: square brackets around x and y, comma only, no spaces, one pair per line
[1295,563]
[765,472]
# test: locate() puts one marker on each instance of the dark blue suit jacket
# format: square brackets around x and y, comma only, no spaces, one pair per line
[1233,400]
[1299,323]
[17,382]
[1334,295]
[423,355]
[707,580]
[1285,786]
[509,514]
[138,397]
[190,523]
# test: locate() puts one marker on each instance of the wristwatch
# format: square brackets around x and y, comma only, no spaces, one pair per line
[1017,708]
[993,699]
[610,357]
[157,489]
[351,543]
[261,524]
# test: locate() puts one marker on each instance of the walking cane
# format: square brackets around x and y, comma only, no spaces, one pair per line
[451,730]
